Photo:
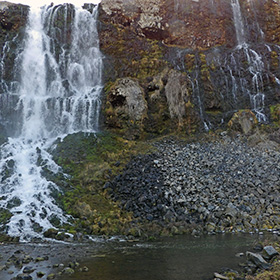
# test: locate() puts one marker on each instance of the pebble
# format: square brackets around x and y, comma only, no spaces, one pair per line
[51,276]
[220,276]
[28,269]
[40,274]
[68,270]
[270,252]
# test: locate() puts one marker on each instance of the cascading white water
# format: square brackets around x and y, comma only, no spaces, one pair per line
[45,110]
[238,22]
[4,86]
[255,90]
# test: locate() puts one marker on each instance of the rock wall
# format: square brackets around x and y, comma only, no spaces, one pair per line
[181,55]
[13,19]
[185,56]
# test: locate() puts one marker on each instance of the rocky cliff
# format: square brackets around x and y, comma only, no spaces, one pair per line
[186,65]
[192,63]
[13,19]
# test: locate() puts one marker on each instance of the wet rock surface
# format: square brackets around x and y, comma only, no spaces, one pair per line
[216,186]
[251,263]
[13,18]
[44,260]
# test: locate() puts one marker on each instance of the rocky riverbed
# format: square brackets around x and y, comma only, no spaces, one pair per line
[180,257]
[223,185]
[45,260]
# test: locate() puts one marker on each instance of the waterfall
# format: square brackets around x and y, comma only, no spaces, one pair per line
[58,94]
[238,22]
[255,89]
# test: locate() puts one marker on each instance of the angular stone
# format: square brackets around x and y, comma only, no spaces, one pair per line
[40,274]
[51,276]
[68,271]
[28,269]
[24,276]
[258,260]
[244,121]
[220,276]
[2,267]
[269,252]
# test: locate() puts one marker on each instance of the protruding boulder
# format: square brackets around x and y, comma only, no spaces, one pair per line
[51,233]
[243,121]
[258,260]
[126,106]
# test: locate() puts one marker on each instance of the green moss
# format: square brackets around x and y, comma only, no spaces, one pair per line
[91,160]
[213,112]
[108,86]
[132,55]
[212,66]
[190,62]
[275,113]
[5,216]
[150,63]
[273,274]
[203,59]
[274,60]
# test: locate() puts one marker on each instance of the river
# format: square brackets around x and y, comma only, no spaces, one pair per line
[173,258]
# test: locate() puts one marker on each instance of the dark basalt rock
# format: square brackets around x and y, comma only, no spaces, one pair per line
[258,260]
[220,186]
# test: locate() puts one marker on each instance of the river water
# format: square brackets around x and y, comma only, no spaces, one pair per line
[170,258]
[176,258]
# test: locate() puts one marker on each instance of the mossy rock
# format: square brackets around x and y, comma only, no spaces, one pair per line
[51,233]
[5,216]
[6,238]
[243,121]
[275,113]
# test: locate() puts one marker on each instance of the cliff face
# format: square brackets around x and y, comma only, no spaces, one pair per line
[13,19]
[172,64]
[196,62]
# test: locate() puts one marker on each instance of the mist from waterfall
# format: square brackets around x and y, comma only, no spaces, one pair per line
[58,94]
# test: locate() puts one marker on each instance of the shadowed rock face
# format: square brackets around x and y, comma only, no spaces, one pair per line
[153,41]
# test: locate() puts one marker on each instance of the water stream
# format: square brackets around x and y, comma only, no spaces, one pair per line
[58,94]
[255,89]
[176,258]
[238,22]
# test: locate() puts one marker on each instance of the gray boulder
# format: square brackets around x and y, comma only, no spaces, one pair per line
[258,260]
[269,252]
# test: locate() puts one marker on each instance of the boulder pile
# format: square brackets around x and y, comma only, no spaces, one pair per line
[218,186]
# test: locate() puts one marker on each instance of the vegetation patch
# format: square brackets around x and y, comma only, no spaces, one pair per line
[91,160]
[275,113]
[5,216]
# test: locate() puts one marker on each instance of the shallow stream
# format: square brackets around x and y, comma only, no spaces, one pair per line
[176,258]
[173,258]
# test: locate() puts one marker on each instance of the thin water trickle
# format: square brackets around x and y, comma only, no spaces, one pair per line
[44,109]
